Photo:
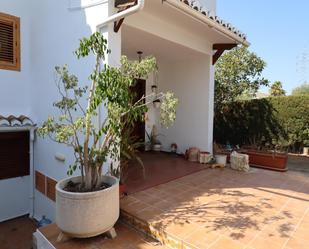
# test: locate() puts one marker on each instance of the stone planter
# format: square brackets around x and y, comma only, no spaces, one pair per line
[85,215]
[306,151]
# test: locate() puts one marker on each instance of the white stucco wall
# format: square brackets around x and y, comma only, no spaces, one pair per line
[50,32]
[190,80]
[15,99]
[55,47]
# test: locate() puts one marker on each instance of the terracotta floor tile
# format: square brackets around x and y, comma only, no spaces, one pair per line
[301,233]
[226,244]
[201,238]
[149,214]
[297,243]
[17,233]
[270,239]
[135,207]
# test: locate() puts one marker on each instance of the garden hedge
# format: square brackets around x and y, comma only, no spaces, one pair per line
[277,121]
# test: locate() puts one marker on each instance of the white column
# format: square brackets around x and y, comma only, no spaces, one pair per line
[112,59]
[210,95]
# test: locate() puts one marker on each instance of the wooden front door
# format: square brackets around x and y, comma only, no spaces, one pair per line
[139,89]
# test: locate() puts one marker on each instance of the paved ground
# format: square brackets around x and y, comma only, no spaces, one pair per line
[17,233]
[228,209]
[159,168]
[209,209]
[299,164]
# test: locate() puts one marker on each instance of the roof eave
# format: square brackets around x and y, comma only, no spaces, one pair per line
[181,6]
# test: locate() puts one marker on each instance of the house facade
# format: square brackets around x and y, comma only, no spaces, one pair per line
[185,39]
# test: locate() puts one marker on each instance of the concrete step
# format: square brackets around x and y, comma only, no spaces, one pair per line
[127,238]
[153,231]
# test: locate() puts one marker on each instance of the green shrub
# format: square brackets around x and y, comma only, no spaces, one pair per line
[277,121]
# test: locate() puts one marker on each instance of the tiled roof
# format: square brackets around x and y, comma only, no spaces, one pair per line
[211,15]
[13,121]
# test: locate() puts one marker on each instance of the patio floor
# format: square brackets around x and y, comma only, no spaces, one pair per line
[17,233]
[216,208]
[159,168]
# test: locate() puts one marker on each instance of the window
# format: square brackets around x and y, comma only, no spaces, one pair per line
[14,154]
[9,42]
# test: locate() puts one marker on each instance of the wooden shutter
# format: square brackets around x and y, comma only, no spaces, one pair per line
[9,42]
[14,154]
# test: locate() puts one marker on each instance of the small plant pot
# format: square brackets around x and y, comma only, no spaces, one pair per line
[157,104]
[148,147]
[154,89]
[122,190]
[221,159]
[174,148]
[157,147]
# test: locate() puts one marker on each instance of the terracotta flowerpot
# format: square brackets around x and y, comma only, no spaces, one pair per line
[85,215]
[122,190]
[267,160]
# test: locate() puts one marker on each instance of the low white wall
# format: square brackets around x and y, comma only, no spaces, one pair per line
[15,86]
[190,81]
[14,194]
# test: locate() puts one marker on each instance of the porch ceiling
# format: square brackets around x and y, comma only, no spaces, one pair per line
[134,40]
[161,12]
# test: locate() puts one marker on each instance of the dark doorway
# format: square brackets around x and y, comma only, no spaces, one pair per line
[138,131]
[14,154]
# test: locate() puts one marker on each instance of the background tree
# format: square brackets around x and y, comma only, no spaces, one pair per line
[301,90]
[238,72]
[276,89]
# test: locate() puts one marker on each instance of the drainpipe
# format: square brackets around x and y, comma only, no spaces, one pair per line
[32,180]
[205,20]
[130,11]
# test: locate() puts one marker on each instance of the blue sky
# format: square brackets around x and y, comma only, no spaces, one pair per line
[278,31]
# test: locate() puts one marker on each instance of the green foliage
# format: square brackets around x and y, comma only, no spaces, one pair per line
[168,109]
[78,127]
[276,89]
[238,72]
[276,122]
[301,90]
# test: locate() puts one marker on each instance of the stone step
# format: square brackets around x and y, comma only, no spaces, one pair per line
[155,232]
[127,238]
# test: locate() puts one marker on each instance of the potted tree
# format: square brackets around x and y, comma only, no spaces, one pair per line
[88,205]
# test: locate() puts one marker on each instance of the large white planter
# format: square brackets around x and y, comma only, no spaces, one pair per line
[85,215]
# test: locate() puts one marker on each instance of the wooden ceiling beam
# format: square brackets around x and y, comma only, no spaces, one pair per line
[124,3]
[216,56]
[225,46]
[117,25]
[220,48]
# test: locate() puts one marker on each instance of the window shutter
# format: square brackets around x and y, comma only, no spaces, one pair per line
[9,42]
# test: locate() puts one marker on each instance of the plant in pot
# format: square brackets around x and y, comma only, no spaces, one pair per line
[88,205]
[129,150]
